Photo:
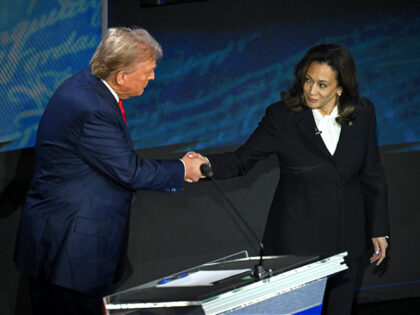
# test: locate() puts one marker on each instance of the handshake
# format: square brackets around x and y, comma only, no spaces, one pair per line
[192,162]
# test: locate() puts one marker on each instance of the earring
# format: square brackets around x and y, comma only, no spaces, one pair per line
[339,94]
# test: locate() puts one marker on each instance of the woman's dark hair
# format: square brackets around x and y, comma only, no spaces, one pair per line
[341,61]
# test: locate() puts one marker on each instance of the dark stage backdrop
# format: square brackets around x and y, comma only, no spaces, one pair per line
[224,63]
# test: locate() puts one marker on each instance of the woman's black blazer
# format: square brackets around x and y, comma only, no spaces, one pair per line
[323,203]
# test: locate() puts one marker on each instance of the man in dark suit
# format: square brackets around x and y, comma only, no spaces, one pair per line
[73,231]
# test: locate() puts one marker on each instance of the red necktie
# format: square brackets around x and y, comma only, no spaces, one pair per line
[122,110]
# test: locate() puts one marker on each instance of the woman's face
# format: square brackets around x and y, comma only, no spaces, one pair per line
[321,88]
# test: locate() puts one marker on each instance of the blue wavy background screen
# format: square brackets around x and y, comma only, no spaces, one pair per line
[42,42]
[213,86]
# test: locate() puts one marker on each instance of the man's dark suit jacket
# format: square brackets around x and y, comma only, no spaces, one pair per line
[74,224]
[323,203]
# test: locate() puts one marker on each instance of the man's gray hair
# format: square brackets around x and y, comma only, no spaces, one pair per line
[123,49]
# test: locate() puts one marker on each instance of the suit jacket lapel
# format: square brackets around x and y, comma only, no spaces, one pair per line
[109,99]
[345,141]
[307,128]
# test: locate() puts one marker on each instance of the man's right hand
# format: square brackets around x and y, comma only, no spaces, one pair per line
[192,162]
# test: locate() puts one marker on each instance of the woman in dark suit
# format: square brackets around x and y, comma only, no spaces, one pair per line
[331,195]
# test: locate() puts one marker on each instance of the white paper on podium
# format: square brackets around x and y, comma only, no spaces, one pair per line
[203,278]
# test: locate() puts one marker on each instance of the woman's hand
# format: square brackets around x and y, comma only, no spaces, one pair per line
[380,245]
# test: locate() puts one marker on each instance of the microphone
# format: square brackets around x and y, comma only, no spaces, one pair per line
[206,170]
[260,272]
[317,131]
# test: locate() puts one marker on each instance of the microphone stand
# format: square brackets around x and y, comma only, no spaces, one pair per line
[260,271]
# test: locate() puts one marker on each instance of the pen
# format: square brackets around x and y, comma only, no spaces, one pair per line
[166,280]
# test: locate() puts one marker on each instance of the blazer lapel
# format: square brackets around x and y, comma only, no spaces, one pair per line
[123,124]
[308,130]
[110,100]
[127,134]
[345,140]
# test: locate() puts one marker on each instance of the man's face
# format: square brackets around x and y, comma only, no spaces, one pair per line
[134,83]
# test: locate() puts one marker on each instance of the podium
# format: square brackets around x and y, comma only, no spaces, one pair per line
[296,286]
